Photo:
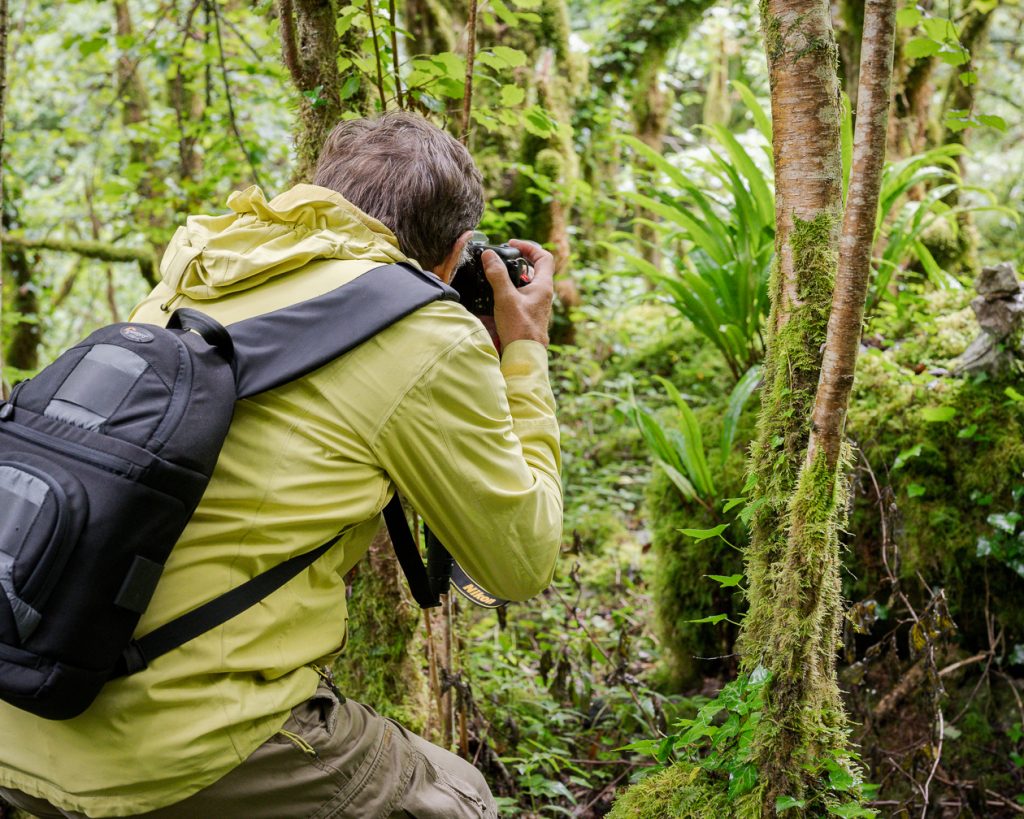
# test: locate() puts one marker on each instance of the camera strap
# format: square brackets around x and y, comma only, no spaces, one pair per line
[408,555]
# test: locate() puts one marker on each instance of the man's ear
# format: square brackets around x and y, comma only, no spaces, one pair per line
[446,269]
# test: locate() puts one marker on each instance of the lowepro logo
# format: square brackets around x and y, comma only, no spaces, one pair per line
[133,332]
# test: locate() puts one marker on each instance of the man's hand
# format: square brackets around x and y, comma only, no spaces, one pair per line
[524,312]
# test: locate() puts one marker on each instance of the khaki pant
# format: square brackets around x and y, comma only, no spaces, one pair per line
[364,767]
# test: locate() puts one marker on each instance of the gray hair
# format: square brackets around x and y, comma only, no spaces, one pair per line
[409,174]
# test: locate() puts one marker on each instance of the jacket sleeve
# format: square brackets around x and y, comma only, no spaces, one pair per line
[474,447]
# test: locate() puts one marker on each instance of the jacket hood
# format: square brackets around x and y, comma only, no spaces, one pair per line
[212,256]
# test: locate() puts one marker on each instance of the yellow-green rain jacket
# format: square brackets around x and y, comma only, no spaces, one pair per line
[472,442]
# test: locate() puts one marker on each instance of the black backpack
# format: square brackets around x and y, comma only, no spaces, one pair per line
[104,456]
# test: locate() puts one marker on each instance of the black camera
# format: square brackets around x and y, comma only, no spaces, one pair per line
[475,291]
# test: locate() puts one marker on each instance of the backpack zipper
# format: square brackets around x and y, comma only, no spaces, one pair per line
[104,460]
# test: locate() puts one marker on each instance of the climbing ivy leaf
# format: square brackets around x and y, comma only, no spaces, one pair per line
[742,780]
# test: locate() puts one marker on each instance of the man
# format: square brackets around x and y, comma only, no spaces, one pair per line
[238,722]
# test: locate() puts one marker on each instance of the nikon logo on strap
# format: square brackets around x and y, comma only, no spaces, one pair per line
[472,591]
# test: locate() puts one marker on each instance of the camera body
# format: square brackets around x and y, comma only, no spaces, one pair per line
[470,281]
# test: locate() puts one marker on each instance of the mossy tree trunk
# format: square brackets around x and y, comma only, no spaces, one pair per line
[310,48]
[793,625]
[189,109]
[382,663]
[3,111]
[22,348]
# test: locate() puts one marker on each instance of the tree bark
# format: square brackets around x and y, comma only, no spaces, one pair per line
[23,346]
[189,108]
[430,26]
[844,327]
[382,664]
[3,112]
[309,46]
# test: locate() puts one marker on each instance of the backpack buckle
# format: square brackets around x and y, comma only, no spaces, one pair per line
[133,659]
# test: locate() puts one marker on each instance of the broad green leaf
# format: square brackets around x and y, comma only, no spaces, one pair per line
[704,534]
[350,86]
[742,780]
[786,802]
[906,455]
[681,482]
[955,55]
[906,17]
[938,415]
[507,16]
[1005,522]
[726,581]
[851,810]
[512,95]
[761,119]
[87,47]
[1012,394]
[512,57]
[732,503]
[921,47]
[839,778]
[915,490]
[992,121]
[940,29]
[968,78]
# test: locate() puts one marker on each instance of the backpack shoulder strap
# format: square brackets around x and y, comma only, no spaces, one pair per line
[278,347]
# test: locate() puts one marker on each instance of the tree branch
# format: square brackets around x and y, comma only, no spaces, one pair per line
[227,94]
[289,43]
[91,250]
[832,399]
[376,52]
[394,52]
[467,97]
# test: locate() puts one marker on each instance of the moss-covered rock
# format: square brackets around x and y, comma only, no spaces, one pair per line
[684,791]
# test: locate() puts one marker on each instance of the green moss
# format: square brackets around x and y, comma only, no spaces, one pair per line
[803,721]
[771,29]
[684,791]
[965,470]
[381,663]
[790,380]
